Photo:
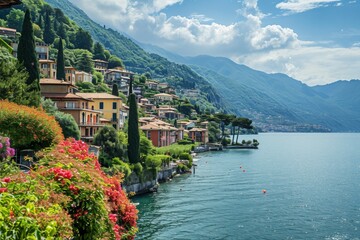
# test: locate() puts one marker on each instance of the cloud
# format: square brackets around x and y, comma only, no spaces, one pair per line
[298,6]
[269,48]
[310,64]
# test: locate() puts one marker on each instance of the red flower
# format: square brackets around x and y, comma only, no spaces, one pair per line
[6,179]
[113,218]
[3,190]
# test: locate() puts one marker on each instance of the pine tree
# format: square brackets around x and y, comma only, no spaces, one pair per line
[27,56]
[115,90]
[61,31]
[49,34]
[99,51]
[133,131]
[60,65]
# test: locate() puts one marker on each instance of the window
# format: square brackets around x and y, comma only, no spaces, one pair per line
[101,105]
[70,104]
[114,117]
[114,105]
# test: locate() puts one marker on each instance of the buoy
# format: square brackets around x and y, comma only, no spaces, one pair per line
[240,166]
[244,170]
[264,191]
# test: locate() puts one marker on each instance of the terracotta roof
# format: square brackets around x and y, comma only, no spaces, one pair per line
[98,96]
[46,61]
[154,126]
[198,130]
[8,3]
[62,95]
[52,81]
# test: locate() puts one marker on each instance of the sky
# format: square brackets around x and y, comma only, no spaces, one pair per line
[314,41]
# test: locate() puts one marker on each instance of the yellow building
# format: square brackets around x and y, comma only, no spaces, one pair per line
[109,104]
[48,68]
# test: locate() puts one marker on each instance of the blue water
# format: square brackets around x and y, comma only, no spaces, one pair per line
[312,183]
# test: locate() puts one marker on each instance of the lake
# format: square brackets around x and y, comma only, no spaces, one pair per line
[312,184]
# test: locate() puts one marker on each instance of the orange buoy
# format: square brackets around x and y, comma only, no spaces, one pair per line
[264,191]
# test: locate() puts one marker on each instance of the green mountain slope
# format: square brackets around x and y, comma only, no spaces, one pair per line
[137,60]
[276,101]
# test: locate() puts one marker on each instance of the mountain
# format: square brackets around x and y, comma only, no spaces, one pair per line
[140,61]
[277,102]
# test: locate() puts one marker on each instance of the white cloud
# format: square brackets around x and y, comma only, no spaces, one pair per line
[312,65]
[298,6]
[269,48]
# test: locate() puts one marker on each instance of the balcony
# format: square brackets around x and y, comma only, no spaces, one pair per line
[90,124]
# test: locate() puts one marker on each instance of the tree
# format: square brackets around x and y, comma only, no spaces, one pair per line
[15,19]
[68,124]
[108,139]
[133,131]
[84,62]
[131,85]
[60,64]
[99,51]
[114,62]
[242,123]
[115,90]
[12,79]
[49,34]
[27,56]
[83,40]
[61,31]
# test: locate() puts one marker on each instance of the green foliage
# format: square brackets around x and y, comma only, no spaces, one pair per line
[15,19]
[186,108]
[146,146]
[83,40]
[174,150]
[49,34]
[138,169]
[12,79]
[68,125]
[85,87]
[83,60]
[133,131]
[114,62]
[60,64]
[119,166]
[49,106]
[99,51]
[27,56]
[107,138]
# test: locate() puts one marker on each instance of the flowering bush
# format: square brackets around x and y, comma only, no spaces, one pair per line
[28,127]
[5,149]
[69,197]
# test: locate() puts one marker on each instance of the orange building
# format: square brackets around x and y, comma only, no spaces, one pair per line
[62,94]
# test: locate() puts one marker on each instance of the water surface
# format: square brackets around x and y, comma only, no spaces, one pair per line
[312,184]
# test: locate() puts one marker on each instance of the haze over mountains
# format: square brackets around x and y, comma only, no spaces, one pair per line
[276,102]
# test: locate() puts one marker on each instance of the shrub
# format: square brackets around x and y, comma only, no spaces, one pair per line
[28,127]
[186,156]
[66,196]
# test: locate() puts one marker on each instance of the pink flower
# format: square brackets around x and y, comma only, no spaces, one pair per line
[1,145]
[3,190]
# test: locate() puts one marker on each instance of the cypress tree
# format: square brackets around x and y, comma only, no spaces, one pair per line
[131,84]
[115,90]
[49,34]
[99,51]
[27,56]
[133,131]
[60,65]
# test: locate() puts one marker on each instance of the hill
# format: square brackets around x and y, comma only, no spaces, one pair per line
[140,61]
[277,102]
